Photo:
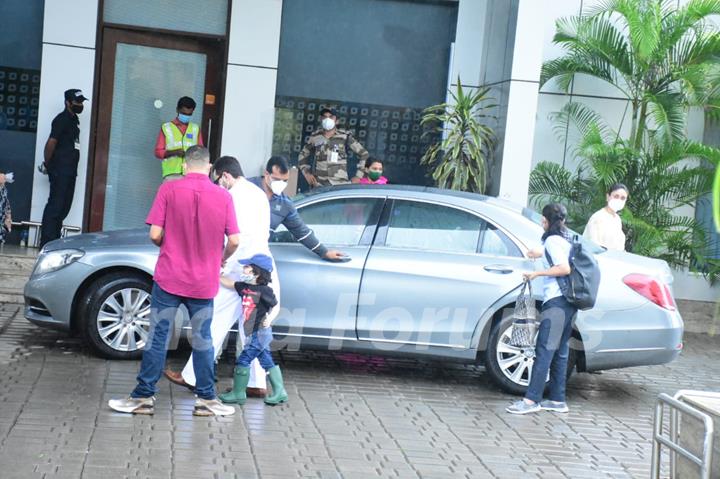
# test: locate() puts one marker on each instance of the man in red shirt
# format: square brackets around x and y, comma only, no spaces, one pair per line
[189,220]
[175,138]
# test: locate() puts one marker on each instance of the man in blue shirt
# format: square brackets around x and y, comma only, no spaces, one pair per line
[282,208]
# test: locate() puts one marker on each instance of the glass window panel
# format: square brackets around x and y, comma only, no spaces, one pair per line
[180,15]
[497,243]
[335,222]
[382,63]
[432,227]
[148,82]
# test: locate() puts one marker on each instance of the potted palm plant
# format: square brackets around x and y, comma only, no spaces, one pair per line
[459,159]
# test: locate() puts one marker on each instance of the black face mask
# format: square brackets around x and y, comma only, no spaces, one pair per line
[76,108]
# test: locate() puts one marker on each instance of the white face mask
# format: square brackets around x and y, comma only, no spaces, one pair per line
[248,278]
[278,186]
[616,205]
[328,124]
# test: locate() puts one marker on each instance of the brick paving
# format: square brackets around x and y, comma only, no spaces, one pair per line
[349,416]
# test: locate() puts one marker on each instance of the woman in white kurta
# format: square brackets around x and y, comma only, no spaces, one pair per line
[605,226]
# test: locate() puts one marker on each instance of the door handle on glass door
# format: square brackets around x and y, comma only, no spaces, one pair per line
[498,269]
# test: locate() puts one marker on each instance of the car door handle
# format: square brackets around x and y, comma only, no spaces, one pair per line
[498,269]
[342,259]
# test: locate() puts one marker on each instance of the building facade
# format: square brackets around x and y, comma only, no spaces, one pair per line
[260,70]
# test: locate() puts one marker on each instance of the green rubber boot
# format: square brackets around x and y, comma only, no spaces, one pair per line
[240,382]
[278,388]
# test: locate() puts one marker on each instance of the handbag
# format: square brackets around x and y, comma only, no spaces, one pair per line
[525,324]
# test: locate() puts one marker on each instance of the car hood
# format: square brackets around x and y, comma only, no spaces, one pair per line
[103,239]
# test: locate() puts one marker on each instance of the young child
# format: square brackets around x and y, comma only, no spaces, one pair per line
[373,173]
[257,300]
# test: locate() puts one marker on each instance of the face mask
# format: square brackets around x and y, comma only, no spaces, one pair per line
[248,278]
[374,175]
[221,182]
[183,118]
[328,124]
[616,205]
[278,186]
[77,108]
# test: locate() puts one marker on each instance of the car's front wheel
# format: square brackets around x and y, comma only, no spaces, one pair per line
[510,367]
[117,315]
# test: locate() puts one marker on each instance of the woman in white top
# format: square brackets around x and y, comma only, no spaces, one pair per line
[605,226]
[552,347]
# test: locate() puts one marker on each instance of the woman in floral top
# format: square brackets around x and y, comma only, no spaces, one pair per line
[5,212]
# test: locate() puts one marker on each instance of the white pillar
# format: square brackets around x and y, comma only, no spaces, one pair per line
[469,38]
[522,102]
[68,61]
[249,109]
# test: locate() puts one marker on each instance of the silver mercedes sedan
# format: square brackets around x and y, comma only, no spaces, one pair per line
[430,273]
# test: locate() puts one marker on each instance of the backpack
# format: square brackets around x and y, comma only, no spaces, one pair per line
[580,287]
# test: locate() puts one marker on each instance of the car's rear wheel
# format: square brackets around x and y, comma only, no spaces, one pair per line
[510,367]
[117,315]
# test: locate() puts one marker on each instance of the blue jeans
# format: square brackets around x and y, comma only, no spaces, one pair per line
[257,345]
[552,350]
[163,308]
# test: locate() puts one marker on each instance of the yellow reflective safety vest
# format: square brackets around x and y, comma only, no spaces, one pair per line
[174,140]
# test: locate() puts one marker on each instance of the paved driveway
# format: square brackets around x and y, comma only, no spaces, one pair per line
[348,416]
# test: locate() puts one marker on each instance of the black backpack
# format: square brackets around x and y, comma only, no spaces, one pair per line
[580,287]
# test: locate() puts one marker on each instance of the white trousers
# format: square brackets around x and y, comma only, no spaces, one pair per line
[227,309]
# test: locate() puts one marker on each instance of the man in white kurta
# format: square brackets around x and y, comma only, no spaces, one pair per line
[253,218]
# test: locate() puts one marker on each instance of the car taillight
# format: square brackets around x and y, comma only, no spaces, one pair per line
[651,288]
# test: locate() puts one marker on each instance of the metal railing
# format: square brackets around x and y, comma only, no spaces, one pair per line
[678,407]
[34,228]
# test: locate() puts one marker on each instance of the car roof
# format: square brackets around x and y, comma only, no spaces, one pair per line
[413,191]
[522,222]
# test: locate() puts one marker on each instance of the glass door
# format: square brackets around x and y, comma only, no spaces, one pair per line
[142,78]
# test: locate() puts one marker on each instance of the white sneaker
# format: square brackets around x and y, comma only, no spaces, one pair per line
[133,405]
[521,407]
[555,406]
[212,407]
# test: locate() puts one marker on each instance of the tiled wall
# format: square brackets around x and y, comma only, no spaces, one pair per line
[392,134]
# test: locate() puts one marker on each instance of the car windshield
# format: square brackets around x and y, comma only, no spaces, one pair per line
[536,218]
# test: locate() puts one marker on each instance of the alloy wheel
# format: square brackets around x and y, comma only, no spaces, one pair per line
[515,362]
[123,321]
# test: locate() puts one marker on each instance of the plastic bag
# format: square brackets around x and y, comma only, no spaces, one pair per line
[525,325]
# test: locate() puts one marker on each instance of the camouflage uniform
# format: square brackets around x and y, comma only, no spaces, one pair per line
[327,171]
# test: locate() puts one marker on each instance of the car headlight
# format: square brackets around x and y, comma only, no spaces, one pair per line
[54,260]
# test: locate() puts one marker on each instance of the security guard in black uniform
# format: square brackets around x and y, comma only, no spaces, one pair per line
[62,154]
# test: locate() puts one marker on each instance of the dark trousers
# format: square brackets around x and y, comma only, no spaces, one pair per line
[62,189]
[552,350]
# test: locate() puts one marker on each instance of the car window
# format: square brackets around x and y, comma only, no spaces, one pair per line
[591,246]
[427,226]
[495,242]
[338,222]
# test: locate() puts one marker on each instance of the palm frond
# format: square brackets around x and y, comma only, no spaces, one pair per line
[668,113]
[564,69]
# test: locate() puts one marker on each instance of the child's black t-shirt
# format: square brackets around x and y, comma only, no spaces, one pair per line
[257,301]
